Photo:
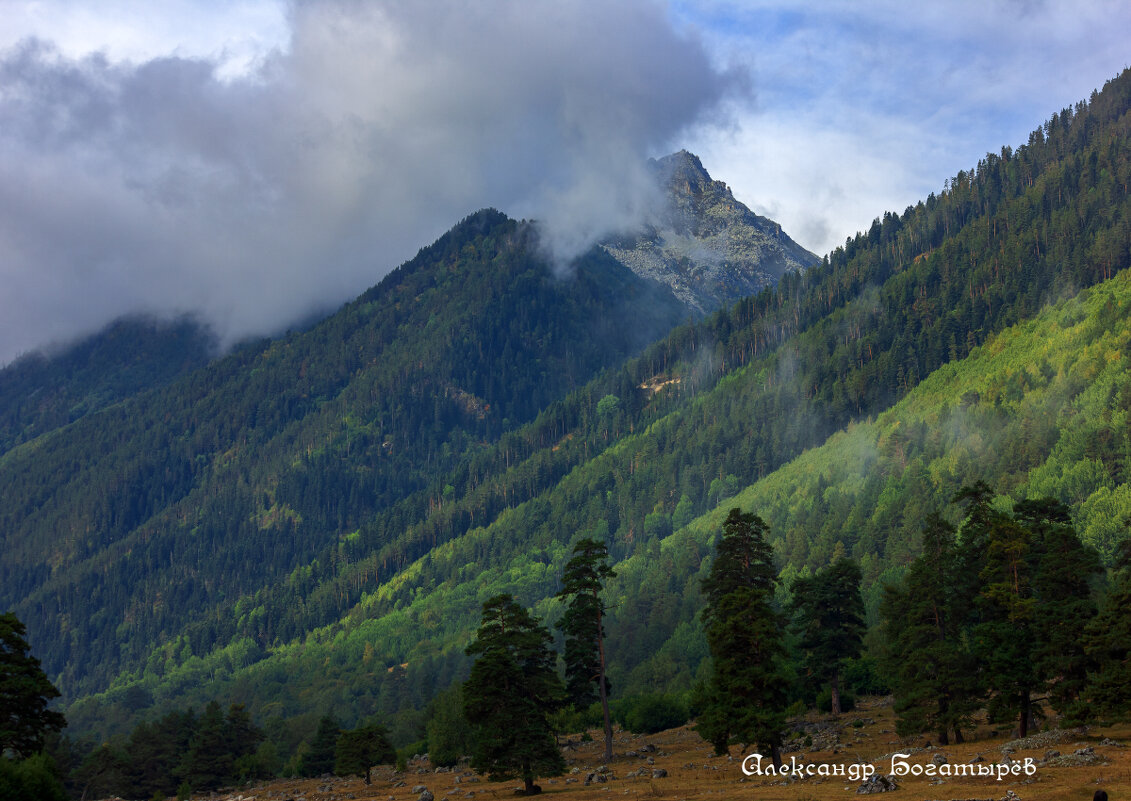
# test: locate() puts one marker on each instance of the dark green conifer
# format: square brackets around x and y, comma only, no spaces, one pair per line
[357,751]
[319,757]
[25,692]
[745,696]
[209,763]
[829,616]
[1107,641]
[1063,592]
[512,690]
[926,660]
[583,627]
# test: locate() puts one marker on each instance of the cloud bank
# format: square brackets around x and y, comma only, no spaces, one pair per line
[167,186]
[866,107]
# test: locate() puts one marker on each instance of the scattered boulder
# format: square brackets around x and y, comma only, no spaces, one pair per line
[939,758]
[877,784]
[426,796]
[659,773]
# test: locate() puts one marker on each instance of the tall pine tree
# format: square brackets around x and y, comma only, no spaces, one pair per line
[829,617]
[927,662]
[511,692]
[583,627]
[1062,585]
[745,695]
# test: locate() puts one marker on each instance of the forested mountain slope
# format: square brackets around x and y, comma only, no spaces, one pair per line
[136,521]
[41,392]
[711,408]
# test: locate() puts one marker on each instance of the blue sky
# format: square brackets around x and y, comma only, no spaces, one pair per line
[254,161]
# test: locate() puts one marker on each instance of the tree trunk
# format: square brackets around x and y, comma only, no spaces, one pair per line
[1023,725]
[836,693]
[775,754]
[604,691]
[958,736]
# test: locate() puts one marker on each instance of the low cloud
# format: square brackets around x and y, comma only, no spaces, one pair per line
[167,186]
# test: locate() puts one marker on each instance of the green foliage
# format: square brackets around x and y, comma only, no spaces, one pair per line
[1107,640]
[583,580]
[281,521]
[512,690]
[649,713]
[829,617]
[927,661]
[824,700]
[745,696]
[449,733]
[357,750]
[991,619]
[32,778]
[24,693]
[320,755]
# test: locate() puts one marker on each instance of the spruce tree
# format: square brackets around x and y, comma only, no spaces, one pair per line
[829,617]
[927,662]
[583,627]
[745,695]
[509,697]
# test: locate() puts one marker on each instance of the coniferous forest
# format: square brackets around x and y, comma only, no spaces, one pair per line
[319,549]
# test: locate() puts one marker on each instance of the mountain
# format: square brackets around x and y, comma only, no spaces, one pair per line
[708,247]
[43,391]
[161,509]
[313,524]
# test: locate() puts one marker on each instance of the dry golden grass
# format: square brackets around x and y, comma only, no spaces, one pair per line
[694,773]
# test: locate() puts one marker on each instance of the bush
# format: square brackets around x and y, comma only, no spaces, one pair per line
[825,700]
[651,712]
[572,720]
[862,677]
[33,777]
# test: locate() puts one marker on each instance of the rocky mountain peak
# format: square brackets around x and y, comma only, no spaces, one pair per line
[709,248]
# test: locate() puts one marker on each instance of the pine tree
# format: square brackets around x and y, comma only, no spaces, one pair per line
[511,692]
[25,692]
[926,660]
[1004,638]
[1063,592]
[583,627]
[745,696]
[357,751]
[829,615]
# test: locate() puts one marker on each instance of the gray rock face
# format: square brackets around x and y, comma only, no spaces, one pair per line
[706,246]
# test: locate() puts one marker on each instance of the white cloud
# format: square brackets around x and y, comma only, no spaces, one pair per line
[868,107]
[256,199]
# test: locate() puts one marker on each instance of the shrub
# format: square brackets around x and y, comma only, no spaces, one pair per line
[651,712]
